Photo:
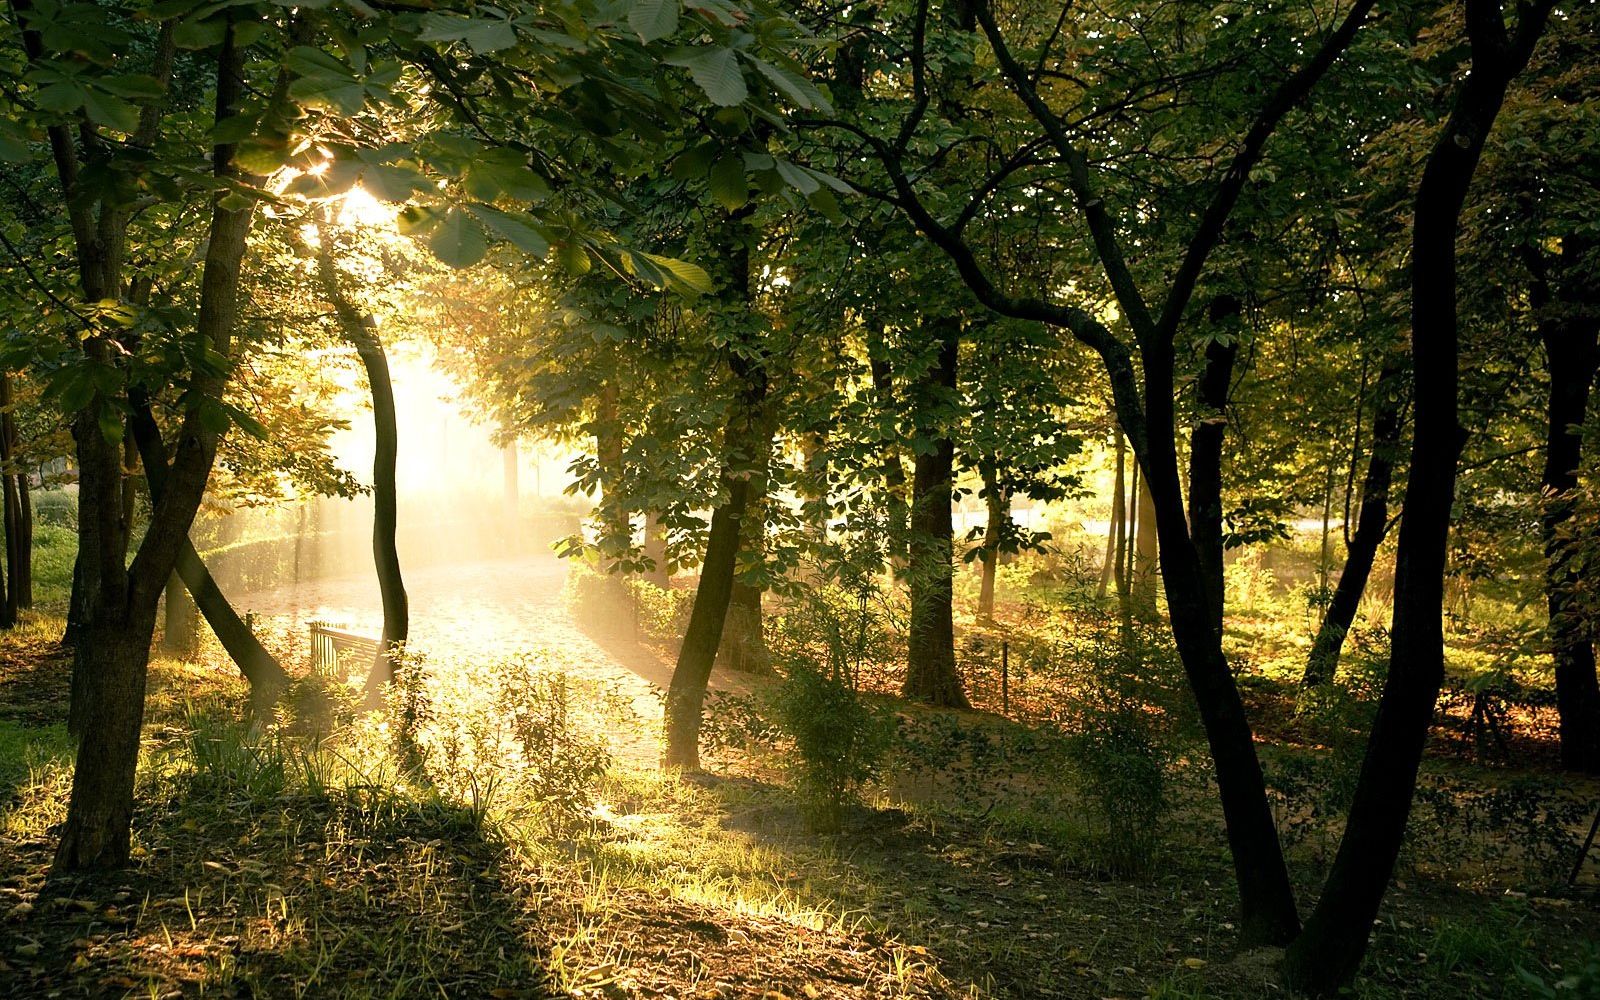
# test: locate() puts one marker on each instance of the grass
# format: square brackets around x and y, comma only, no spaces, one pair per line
[314,855]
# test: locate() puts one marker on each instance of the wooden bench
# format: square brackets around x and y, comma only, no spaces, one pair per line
[330,642]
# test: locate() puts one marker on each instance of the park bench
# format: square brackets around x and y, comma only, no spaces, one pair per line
[330,642]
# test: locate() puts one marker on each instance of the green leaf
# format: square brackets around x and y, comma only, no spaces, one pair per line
[695,162]
[690,276]
[575,258]
[716,70]
[795,88]
[516,228]
[826,204]
[503,172]
[111,426]
[728,185]
[458,241]
[654,19]
[798,177]
[110,110]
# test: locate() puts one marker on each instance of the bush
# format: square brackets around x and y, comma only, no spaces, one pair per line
[561,762]
[598,599]
[55,508]
[232,759]
[1120,740]
[838,740]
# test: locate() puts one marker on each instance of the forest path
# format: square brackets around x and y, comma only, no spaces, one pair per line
[485,610]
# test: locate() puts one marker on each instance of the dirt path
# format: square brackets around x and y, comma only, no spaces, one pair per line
[486,610]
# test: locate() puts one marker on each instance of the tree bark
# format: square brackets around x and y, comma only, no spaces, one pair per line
[1205,454]
[266,675]
[998,508]
[897,510]
[744,638]
[1328,952]
[1112,567]
[1569,334]
[745,444]
[1372,524]
[121,598]
[19,543]
[931,673]
[742,438]
[180,631]
[1145,573]
[362,334]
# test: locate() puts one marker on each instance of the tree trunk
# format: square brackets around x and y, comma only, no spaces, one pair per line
[999,509]
[746,445]
[266,675]
[121,597]
[362,334]
[1328,953]
[19,544]
[1112,567]
[511,498]
[616,528]
[1372,524]
[180,632]
[931,673]
[1144,574]
[742,440]
[1205,456]
[744,639]
[1570,333]
[897,511]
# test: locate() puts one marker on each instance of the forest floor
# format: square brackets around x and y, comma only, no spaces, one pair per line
[299,865]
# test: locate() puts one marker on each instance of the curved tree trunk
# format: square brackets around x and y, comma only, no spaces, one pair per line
[931,673]
[686,694]
[1372,524]
[745,445]
[266,675]
[360,331]
[1112,567]
[1328,952]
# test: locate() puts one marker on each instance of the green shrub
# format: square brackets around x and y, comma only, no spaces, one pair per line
[561,761]
[1120,740]
[227,757]
[55,508]
[598,599]
[838,740]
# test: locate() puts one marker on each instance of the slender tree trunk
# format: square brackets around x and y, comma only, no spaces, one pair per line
[19,544]
[511,498]
[744,637]
[1570,334]
[362,334]
[742,440]
[1372,524]
[1112,567]
[1145,574]
[999,510]
[616,527]
[746,441]
[1328,953]
[898,511]
[266,675]
[25,565]
[931,673]
[1205,456]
